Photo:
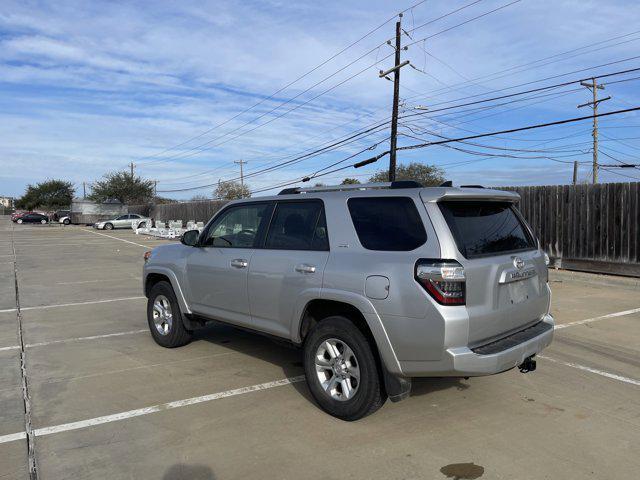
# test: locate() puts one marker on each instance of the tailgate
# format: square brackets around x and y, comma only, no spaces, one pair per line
[506,274]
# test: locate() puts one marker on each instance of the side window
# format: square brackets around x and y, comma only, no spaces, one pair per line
[238,227]
[298,226]
[387,223]
[122,217]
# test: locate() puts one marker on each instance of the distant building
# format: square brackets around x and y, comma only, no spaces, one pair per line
[6,202]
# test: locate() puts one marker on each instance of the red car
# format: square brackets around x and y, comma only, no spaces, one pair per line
[16,215]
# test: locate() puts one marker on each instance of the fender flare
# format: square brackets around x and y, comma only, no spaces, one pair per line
[175,284]
[368,311]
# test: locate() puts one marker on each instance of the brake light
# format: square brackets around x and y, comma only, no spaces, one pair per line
[444,280]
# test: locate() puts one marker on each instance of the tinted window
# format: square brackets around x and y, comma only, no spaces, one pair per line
[298,226]
[486,228]
[238,226]
[387,223]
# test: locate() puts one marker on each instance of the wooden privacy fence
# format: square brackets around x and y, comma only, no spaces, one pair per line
[586,227]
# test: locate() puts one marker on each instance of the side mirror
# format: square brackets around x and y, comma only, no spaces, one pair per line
[190,238]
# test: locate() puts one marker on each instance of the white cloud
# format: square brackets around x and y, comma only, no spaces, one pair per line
[90,86]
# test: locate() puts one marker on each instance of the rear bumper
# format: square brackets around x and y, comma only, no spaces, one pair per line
[488,359]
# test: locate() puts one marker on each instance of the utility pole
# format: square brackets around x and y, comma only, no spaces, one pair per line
[84,190]
[594,87]
[396,98]
[575,172]
[131,165]
[241,162]
[155,188]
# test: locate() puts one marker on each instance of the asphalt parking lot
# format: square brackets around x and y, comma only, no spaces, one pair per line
[106,402]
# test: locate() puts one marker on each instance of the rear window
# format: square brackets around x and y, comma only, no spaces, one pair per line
[486,228]
[387,223]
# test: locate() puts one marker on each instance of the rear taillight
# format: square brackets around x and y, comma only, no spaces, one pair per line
[443,279]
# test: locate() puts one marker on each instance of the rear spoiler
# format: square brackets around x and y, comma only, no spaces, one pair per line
[462,194]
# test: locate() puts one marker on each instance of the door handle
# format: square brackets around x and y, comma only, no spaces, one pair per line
[305,268]
[239,263]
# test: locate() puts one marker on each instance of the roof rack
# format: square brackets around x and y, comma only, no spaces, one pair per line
[358,186]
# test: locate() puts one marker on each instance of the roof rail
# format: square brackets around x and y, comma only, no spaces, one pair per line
[471,186]
[358,186]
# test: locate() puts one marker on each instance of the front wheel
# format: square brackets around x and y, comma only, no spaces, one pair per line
[108,226]
[43,221]
[165,318]
[341,370]
[19,220]
[66,221]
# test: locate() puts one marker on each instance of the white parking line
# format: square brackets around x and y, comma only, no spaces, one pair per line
[116,238]
[65,427]
[76,339]
[613,376]
[602,317]
[93,302]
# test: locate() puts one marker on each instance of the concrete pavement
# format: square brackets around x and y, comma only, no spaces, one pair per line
[109,403]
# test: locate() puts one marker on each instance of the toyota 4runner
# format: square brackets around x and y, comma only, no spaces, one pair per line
[378,283]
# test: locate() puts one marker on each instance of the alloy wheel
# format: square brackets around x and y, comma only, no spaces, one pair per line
[337,369]
[162,315]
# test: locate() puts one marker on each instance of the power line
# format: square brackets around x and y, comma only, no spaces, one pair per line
[320,65]
[182,156]
[520,129]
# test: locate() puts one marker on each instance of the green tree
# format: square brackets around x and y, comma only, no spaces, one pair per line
[123,186]
[231,191]
[350,181]
[427,175]
[51,194]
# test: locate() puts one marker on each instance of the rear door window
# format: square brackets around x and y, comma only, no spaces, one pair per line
[298,226]
[387,223]
[486,228]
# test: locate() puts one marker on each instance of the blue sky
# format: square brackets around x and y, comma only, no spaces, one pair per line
[87,87]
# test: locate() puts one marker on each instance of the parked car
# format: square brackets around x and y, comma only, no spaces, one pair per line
[377,283]
[60,214]
[66,220]
[32,218]
[122,221]
[16,215]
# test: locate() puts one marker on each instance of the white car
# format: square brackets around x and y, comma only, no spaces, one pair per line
[65,220]
[122,221]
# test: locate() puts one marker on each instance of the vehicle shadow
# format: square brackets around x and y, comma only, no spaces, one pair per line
[289,358]
[183,471]
[266,349]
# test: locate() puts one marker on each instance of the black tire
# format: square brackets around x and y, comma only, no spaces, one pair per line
[66,221]
[177,335]
[142,224]
[108,226]
[369,395]
[19,221]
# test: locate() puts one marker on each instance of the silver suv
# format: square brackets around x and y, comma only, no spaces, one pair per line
[377,283]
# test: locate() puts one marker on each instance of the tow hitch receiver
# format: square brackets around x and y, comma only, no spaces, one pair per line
[529,365]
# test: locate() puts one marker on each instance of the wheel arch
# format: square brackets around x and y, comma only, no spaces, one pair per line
[160,274]
[362,315]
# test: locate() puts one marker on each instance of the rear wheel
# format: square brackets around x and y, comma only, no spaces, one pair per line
[142,224]
[43,221]
[19,220]
[66,221]
[341,370]
[108,226]
[165,318]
